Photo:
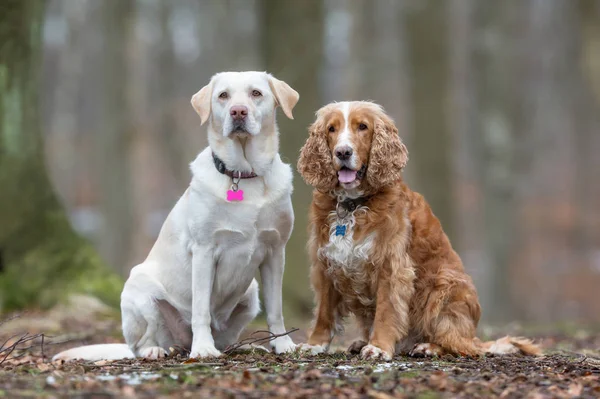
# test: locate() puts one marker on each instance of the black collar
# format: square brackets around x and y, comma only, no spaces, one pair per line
[220,165]
[349,205]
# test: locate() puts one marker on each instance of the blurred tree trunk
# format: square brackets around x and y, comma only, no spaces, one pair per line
[363,58]
[386,73]
[64,121]
[588,183]
[293,55]
[343,49]
[430,147]
[470,239]
[495,138]
[559,128]
[41,258]
[170,139]
[114,141]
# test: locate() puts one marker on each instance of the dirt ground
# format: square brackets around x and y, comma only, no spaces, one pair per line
[570,368]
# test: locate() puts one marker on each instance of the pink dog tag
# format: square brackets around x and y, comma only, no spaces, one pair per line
[235,195]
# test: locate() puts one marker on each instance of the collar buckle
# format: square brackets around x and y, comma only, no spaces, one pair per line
[348,206]
[222,168]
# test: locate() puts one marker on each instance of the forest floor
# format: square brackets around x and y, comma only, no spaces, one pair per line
[569,369]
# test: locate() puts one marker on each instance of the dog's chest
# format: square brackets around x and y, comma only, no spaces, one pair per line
[241,242]
[245,235]
[347,260]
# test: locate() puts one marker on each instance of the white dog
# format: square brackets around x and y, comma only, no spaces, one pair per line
[197,289]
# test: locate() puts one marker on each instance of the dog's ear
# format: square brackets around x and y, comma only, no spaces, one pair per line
[315,164]
[388,155]
[285,96]
[201,102]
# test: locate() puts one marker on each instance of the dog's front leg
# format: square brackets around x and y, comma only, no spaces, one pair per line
[394,291]
[328,300]
[203,275]
[271,273]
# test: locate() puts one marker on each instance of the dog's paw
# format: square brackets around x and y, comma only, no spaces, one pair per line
[426,350]
[283,345]
[371,352]
[312,349]
[356,346]
[204,351]
[153,352]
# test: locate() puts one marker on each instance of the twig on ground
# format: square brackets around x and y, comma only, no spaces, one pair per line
[178,350]
[583,359]
[7,350]
[3,346]
[11,348]
[192,365]
[250,340]
[16,316]
[66,340]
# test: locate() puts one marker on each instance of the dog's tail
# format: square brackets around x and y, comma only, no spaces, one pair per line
[96,352]
[510,345]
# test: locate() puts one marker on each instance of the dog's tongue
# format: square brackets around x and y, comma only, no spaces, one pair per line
[346,175]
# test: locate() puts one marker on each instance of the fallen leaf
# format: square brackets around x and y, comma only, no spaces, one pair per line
[128,391]
[536,395]
[439,380]
[575,389]
[313,374]
[378,395]
[43,367]
[101,363]
[246,376]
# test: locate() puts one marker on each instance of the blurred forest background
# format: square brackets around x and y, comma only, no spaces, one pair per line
[497,101]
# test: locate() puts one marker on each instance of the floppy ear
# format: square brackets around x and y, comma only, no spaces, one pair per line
[286,96]
[315,163]
[388,154]
[201,102]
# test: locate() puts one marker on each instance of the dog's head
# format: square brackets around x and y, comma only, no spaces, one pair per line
[352,145]
[241,103]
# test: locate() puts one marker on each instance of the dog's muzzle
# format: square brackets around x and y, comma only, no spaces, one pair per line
[238,128]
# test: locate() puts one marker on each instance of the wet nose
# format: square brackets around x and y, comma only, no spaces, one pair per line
[238,112]
[343,153]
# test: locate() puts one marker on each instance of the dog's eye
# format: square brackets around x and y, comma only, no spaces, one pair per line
[331,129]
[362,126]
[256,93]
[224,96]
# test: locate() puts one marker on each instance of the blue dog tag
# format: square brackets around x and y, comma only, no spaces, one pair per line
[340,230]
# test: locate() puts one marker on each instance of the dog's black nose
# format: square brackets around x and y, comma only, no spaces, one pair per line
[343,153]
[238,112]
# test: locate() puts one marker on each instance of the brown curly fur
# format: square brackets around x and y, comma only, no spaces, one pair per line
[384,154]
[315,163]
[388,155]
[413,288]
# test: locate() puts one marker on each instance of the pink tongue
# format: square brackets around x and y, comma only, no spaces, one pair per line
[346,175]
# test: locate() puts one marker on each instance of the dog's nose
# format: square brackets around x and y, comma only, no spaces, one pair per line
[238,112]
[343,153]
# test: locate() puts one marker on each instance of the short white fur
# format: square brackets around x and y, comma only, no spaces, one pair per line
[179,291]
[344,138]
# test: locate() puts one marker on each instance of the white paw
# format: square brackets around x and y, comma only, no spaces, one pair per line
[371,352]
[153,352]
[204,351]
[312,349]
[425,350]
[283,345]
